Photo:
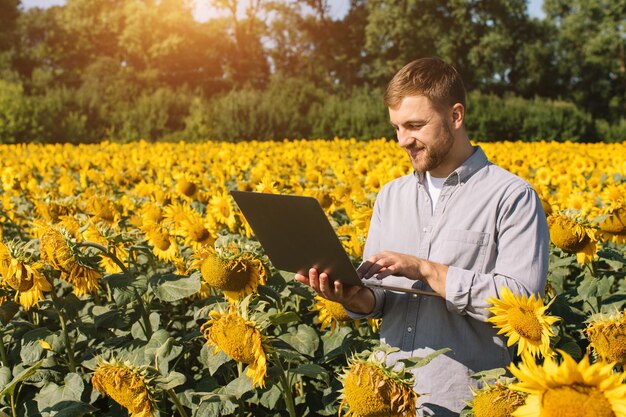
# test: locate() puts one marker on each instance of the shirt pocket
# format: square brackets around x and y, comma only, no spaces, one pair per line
[464,249]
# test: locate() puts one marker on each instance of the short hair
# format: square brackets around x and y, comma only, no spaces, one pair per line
[430,77]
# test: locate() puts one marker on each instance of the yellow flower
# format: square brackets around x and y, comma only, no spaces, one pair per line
[23,275]
[56,249]
[164,245]
[103,209]
[613,227]
[571,236]
[236,276]
[608,338]
[196,233]
[241,339]
[221,208]
[523,320]
[330,313]
[127,385]
[370,389]
[59,252]
[496,401]
[186,187]
[569,389]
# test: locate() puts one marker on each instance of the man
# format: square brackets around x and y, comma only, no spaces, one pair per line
[458,226]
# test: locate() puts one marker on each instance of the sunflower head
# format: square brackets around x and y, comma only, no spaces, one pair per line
[608,337]
[573,236]
[237,275]
[374,390]
[23,274]
[523,320]
[57,249]
[498,400]
[569,389]
[128,385]
[330,313]
[613,224]
[241,339]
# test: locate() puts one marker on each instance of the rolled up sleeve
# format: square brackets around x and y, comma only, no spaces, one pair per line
[521,259]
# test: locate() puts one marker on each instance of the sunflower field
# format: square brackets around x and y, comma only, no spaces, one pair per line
[130,284]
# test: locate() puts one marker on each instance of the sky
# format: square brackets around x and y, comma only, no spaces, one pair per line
[338,7]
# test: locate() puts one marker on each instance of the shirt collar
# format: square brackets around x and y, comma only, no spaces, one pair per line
[463,173]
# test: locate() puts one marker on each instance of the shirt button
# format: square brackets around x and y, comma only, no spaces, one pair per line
[414,295]
[409,329]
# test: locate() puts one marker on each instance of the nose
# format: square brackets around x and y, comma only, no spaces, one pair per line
[404,137]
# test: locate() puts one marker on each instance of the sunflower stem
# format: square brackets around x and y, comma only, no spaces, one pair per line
[13,410]
[105,251]
[286,387]
[145,316]
[179,406]
[69,348]
[3,352]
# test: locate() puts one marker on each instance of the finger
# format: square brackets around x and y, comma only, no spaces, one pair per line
[301,279]
[314,280]
[325,287]
[375,268]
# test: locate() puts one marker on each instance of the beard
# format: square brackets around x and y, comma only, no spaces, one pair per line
[426,158]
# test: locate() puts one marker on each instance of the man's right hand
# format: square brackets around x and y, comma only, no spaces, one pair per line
[355,298]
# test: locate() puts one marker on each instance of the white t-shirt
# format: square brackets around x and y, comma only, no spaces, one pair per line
[434,186]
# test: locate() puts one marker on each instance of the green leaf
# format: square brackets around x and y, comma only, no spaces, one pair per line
[312,371]
[217,405]
[125,287]
[172,287]
[72,409]
[31,349]
[113,319]
[211,361]
[572,349]
[172,380]
[270,398]
[336,343]
[51,393]
[305,340]
[238,387]
[8,310]
[284,317]
[490,374]
[5,376]
[10,387]
[418,362]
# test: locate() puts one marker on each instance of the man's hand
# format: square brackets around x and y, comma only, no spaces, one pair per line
[393,263]
[353,297]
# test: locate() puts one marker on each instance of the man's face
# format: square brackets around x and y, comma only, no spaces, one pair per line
[422,130]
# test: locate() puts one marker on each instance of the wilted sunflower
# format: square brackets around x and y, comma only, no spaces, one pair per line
[569,389]
[127,385]
[237,275]
[572,236]
[330,313]
[371,389]
[496,401]
[22,274]
[241,339]
[102,235]
[613,226]
[608,337]
[60,252]
[523,320]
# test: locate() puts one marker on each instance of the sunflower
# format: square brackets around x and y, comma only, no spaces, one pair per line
[496,401]
[221,208]
[241,339]
[103,209]
[164,245]
[613,226]
[187,187]
[127,385]
[236,275]
[569,389]
[523,320]
[195,231]
[371,389]
[23,275]
[572,236]
[330,313]
[60,252]
[102,235]
[608,337]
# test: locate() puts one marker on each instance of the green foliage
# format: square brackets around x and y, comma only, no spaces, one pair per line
[490,118]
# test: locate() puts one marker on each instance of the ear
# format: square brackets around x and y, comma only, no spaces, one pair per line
[458,116]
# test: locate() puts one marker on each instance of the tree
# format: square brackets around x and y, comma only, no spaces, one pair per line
[591,40]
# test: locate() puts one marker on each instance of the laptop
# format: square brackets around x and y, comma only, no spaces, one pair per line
[296,236]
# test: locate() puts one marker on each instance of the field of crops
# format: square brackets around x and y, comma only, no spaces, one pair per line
[130,283]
